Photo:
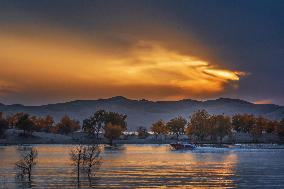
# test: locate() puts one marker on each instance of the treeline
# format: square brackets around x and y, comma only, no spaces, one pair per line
[29,124]
[111,123]
[201,125]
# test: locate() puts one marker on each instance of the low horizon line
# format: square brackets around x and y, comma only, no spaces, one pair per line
[141,99]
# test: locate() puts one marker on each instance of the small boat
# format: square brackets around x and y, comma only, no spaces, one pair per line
[182,146]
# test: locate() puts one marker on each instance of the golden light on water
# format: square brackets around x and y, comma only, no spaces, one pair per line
[129,166]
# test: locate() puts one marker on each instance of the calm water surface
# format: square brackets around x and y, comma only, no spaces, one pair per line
[151,166]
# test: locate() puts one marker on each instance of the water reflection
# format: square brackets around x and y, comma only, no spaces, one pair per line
[134,165]
[157,165]
[114,149]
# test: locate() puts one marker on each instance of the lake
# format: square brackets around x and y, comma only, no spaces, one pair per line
[151,166]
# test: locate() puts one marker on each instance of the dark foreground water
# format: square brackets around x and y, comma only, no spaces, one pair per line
[151,166]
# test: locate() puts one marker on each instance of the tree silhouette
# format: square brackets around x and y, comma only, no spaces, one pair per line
[26,124]
[27,163]
[76,155]
[86,159]
[91,160]
[198,124]
[94,123]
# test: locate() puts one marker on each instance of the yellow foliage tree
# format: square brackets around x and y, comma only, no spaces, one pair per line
[158,128]
[112,132]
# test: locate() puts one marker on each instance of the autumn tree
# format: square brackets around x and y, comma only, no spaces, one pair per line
[238,122]
[116,119]
[35,119]
[262,123]
[198,125]
[67,125]
[222,126]
[177,126]
[43,124]
[95,123]
[26,164]
[112,132]
[26,124]
[212,127]
[4,125]
[14,118]
[158,128]
[243,123]
[256,127]
[271,126]
[114,125]
[280,130]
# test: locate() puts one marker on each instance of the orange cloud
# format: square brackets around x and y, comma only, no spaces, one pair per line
[71,65]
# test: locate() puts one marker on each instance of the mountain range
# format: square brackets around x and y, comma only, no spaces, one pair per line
[144,112]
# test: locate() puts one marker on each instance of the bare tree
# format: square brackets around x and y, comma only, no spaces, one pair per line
[92,160]
[76,155]
[27,162]
[86,159]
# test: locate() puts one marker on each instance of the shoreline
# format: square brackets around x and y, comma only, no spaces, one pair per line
[136,143]
[12,138]
[204,146]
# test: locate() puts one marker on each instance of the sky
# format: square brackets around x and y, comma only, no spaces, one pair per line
[57,51]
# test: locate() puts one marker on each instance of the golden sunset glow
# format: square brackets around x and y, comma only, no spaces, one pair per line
[66,63]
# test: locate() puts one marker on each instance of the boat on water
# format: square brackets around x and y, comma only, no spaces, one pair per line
[182,146]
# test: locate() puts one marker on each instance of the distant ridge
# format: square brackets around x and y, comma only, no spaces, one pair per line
[122,98]
[229,100]
[144,112]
